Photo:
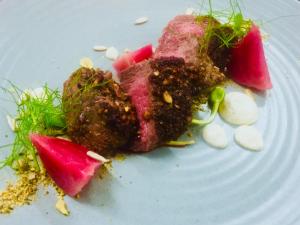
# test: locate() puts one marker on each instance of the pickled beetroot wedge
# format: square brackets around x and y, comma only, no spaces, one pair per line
[248,65]
[130,58]
[66,163]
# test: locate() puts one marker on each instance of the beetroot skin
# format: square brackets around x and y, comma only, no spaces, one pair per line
[65,162]
[248,65]
[130,58]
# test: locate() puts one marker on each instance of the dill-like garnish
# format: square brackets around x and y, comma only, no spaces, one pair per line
[233,28]
[41,114]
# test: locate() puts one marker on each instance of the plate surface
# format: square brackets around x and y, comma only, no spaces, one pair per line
[42,41]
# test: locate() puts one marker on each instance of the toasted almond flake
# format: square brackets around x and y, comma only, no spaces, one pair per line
[62,207]
[112,53]
[99,48]
[11,122]
[167,97]
[86,62]
[64,138]
[190,11]
[31,176]
[141,20]
[96,156]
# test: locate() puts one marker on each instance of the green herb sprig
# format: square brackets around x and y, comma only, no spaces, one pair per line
[214,101]
[233,19]
[41,114]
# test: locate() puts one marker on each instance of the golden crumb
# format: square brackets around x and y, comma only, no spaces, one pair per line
[104,169]
[189,134]
[120,157]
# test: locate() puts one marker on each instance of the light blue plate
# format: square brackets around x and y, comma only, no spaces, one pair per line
[42,41]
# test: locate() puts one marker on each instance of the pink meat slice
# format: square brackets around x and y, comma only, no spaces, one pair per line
[180,39]
[134,82]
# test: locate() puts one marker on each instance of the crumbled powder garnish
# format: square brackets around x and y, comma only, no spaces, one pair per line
[62,207]
[23,192]
[86,62]
[120,157]
[104,169]
[189,134]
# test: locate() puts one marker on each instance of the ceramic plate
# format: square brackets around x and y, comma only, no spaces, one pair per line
[42,41]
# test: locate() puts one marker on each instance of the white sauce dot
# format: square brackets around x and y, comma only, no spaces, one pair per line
[100,48]
[112,53]
[141,20]
[239,109]
[190,11]
[215,135]
[249,137]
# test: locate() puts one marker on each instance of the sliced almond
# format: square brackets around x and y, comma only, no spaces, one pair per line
[141,20]
[62,207]
[96,156]
[190,11]
[99,48]
[11,122]
[86,63]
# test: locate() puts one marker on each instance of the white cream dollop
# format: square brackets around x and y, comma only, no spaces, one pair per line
[239,109]
[215,135]
[249,137]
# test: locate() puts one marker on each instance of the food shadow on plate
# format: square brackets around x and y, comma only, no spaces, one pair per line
[98,191]
[160,153]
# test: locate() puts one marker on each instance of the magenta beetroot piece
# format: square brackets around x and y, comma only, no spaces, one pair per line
[66,163]
[248,66]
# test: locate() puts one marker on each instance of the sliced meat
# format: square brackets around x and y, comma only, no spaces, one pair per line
[135,82]
[180,39]
[183,37]
[99,115]
[162,92]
